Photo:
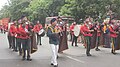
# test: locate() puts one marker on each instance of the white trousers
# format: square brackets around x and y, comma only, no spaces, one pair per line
[54,53]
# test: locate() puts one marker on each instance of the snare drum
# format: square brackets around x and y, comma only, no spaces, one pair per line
[41,32]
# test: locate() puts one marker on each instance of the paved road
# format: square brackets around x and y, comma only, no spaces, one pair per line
[73,57]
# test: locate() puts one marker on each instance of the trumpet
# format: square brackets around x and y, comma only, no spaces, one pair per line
[58,30]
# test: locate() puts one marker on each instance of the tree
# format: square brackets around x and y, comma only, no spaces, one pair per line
[40,9]
[4,12]
[79,9]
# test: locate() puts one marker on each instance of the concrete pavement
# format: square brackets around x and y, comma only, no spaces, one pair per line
[73,57]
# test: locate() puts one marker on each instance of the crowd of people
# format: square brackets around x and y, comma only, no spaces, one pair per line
[22,36]
[95,34]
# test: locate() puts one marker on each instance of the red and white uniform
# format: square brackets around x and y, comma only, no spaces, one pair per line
[12,30]
[37,28]
[24,32]
[112,32]
[71,29]
[85,30]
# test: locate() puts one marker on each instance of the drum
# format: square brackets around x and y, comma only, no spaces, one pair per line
[41,32]
[76,30]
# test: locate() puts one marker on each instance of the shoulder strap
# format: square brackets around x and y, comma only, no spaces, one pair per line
[51,29]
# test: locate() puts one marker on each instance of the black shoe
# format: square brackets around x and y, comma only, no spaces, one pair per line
[55,65]
[113,52]
[51,64]
[29,59]
[76,45]
[97,49]
[57,56]
[16,50]
[40,44]
[89,55]
[72,45]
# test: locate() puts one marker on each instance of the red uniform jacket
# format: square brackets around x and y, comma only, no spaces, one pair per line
[112,32]
[37,28]
[24,34]
[6,27]
[85,31]
[71,29]
[18,32]
[12,30]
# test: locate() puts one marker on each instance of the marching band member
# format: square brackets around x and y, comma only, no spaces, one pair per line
[92,26]
[19,38]
[36,29]
[5,28]
[12,32]
[87,34]
[25,36]
[82,36]
[106,31]
[53,35]
[9,36]
[74,37]
[98,36]
[71,31]
[2,29]
[113,35]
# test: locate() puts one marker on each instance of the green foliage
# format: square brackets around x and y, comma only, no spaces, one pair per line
[40,9]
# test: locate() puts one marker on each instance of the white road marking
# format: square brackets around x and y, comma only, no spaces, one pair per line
[75,59]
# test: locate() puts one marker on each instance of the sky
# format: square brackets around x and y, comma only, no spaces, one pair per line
[2,3]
